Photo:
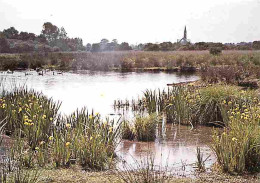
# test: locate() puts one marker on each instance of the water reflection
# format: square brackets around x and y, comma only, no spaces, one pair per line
[95,89]
[176,149]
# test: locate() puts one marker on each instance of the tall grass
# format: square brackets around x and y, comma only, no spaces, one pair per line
[42,137]
[143,128]
[191,105]
[237,148]
[29,111]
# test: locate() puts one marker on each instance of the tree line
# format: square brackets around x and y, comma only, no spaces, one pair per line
[55,39]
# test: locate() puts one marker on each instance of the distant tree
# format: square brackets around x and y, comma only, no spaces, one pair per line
[165,46]
[115,41]
[63,33]
[95,47]
[50,32]
[11,33]
[103,44]
[256,45]
[26,36]
[201,46]
[4,46]
[113,45]
[140,46]
[41,38]
[2,34]
[88,47]
[215,50]
[124,46]
[151,47]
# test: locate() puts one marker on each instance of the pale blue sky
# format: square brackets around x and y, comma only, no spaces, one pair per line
[138,21]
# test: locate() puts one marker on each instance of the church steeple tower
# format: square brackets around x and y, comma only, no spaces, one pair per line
[184,40]
[185,33]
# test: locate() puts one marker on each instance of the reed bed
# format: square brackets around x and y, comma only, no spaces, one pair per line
[129,60]
[237,148]
[195,105]
[44,138]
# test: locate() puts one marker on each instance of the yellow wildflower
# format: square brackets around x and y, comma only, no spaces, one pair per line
[50,137]
[68,125]
[44,116]
[67,144]
[110,129]
[234,139]
[90,116]
[26,123]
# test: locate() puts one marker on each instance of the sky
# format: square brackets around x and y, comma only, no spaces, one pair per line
[138,21]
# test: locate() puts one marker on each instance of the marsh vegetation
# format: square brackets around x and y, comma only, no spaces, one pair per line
[43,138]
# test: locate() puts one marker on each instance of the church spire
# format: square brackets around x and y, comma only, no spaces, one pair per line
[185,33]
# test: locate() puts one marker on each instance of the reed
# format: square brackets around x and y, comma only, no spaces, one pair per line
[29,111]
[237,147]
[145,127]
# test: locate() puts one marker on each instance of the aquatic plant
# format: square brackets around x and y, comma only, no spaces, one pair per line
[128,131]
[237,147]
[30,111]
[145,127]
[200,164]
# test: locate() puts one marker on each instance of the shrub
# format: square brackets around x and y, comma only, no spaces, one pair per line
[215,50]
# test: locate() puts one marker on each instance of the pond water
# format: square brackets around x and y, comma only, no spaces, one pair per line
[94,89]
[97,90]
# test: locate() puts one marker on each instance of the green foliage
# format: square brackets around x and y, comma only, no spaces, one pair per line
[215,50]
[29,111]
[145,127]
[127,131]
[237,148]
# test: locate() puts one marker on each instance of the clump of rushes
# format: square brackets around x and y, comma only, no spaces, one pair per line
[145,127]
[92,140]
[128,131]
[29,111]
[237,148]
[215,102]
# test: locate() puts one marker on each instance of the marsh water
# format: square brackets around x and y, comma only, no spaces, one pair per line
[176,145]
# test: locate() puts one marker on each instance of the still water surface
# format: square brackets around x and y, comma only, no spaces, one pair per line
[98,90]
